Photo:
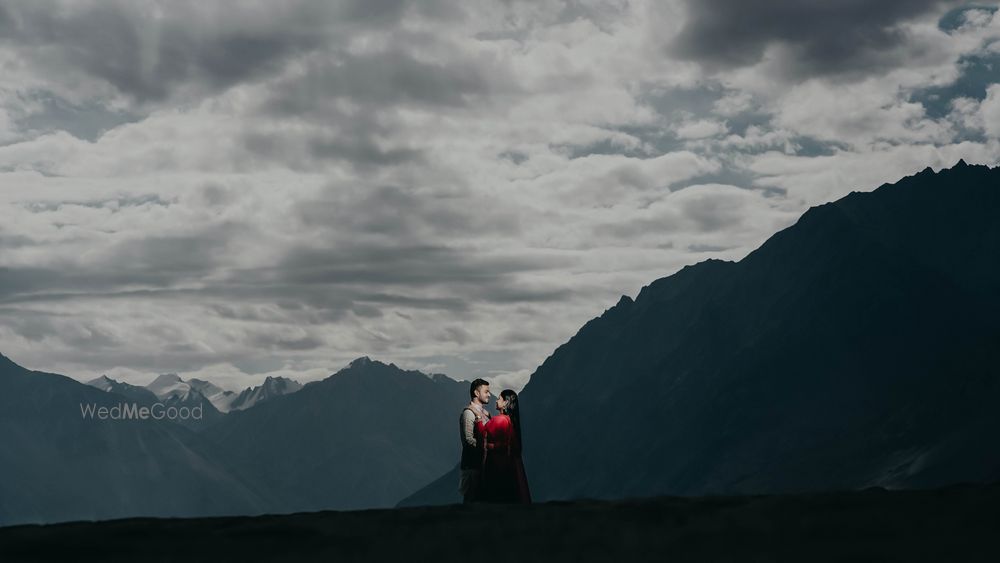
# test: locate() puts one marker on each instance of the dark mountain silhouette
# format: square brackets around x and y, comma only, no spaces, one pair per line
[858,347]
[57,465]
[363,437]
[271,388]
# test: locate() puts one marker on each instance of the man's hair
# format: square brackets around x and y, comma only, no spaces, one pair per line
[476,385]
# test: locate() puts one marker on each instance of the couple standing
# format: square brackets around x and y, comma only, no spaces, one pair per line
[491,468]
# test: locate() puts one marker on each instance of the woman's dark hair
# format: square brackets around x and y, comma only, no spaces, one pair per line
[512,410]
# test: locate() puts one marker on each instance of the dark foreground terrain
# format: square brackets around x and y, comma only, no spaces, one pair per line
[959,523]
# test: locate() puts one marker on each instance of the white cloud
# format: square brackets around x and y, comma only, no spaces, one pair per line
[989,112]
[701,129]
[447,184]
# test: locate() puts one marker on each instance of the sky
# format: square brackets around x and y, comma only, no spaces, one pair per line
[231,190]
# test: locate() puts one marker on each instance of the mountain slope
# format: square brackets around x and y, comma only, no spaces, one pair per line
[57,465]
[361,438]
[845,352]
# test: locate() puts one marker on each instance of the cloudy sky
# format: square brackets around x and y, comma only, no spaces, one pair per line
[232,190]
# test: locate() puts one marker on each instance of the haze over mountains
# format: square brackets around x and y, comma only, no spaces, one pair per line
[858,347]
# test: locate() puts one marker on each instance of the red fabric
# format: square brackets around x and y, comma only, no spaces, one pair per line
[503,478]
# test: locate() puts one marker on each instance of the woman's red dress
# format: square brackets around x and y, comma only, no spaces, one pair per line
[503,478]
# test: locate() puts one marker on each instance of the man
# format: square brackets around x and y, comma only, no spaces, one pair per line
[472,455]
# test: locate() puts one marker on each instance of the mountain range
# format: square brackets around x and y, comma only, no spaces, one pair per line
[363,437]
[57,464]
[171,387]
[210,400]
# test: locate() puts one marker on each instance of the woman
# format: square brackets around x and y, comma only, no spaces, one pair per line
[503,478]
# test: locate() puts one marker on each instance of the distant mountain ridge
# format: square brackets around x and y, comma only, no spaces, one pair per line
[363,437]
[271,388]
[174,390]
[134,392]
[171,391]
[57,464]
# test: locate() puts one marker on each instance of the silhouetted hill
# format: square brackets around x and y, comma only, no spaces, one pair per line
[858,347]
[363,437]
[57,465]
[855,348]
[954,524]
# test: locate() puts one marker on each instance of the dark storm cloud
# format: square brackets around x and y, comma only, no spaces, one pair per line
[31,325]
[309,286]
[157,262]
[374,85]
[842,37]
[401,264]
[382,78]
[41,325]
[273,341]
[106,41]
[15,241]
[210,46]
[407,214]
[353,145]
[360,151]
[321,285]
